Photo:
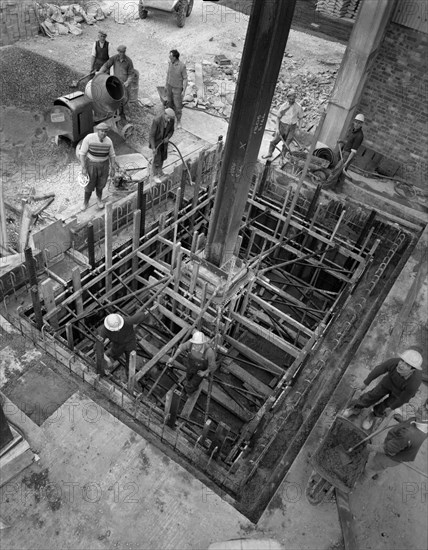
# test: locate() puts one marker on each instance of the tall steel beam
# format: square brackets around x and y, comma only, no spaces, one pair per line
[267,35]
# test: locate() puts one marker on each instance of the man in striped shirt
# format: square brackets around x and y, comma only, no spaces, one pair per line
[96,154]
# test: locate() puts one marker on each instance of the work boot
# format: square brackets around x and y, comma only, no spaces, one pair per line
[369,421]
[351,411]
[84,206]
[267,157]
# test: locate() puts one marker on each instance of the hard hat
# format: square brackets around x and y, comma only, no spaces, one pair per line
[102,126]
[121,48]
[170,112]
[113,322]
[291,91]
[359,117]
[412,358]
[82,180]
[198,338]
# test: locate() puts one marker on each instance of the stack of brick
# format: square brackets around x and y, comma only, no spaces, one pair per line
[338,8]
[18,21]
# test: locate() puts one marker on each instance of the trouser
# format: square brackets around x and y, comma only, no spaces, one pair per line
[286,133]
[193,380]
[159,158]
[98,175]
[175,100]
[337,177]
[378,393]
[116,352]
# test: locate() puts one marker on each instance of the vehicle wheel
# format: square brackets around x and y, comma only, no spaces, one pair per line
[189,7]
[142,12]
[181,13]
[319,176]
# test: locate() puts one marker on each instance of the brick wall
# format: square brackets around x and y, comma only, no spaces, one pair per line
[394,102]
[18,19]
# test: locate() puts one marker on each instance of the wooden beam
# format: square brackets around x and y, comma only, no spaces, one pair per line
[288,297]
[154,263]
[108,243]
[259,360]
[281,315]
[267,335]
[49,300]
[77,285]
[190,403]
[229,364]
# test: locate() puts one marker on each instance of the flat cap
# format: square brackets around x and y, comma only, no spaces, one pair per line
[121,48]
[102,126]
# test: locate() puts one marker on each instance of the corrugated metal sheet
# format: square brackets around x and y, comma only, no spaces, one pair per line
[412,14]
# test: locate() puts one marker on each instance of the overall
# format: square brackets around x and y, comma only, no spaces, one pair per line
[194,364]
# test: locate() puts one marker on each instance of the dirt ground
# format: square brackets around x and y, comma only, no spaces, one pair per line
[31,160]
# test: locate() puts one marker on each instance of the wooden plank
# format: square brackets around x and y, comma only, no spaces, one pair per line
[235,369]
[281,315]
[254,313]
[199,80]
[259,360]
[347,521]
[77,285]
[108,242]
[154,263]
[131,370]
[190,403]
[188,304]
[288,297]
[225,401]
[267,335]
[174,318]
[17,465]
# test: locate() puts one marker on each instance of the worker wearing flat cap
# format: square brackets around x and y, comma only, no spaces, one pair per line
[119,330]
[100,52]
[200,360]
[96,156]
[123,68]
[288,119]
[161,132]
[401,444]
[401,379]
[348,149]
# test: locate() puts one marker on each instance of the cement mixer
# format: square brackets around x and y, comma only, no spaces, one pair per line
[75,115]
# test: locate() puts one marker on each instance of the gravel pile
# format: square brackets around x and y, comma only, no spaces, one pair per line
[31,81]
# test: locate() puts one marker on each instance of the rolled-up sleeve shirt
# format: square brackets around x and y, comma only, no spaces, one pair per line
[124,70]
[177,74]
[290,114]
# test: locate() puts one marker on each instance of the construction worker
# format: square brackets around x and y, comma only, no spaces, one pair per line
[96,154]
[100,52]
[161,132]
[401,444]
[200,360]
[401,380]
[121,333]
[176,84]
[123,68]
[349,148]
[289,118]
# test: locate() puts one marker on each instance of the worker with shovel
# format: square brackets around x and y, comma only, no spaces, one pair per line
[401,445]
[100,52]
[347,150]
[289,118]
[401,380]
[200,360]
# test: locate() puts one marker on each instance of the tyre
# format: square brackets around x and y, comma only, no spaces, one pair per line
[181,13]
[189,7]
[319,176]
[142,12]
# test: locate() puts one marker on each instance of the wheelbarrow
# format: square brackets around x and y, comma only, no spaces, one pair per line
[331,470]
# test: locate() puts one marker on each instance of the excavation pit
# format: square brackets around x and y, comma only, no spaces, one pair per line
[284,315]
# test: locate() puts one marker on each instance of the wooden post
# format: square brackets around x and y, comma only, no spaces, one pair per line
[132,366]
[135,245]
[35,298]
[141,206]
[197,186]
[108,242]
[99,355]
[69,333]
[49,300]
[183,181]
[91,245]
[3,230]
[77,285]
[31,266]
[177,205]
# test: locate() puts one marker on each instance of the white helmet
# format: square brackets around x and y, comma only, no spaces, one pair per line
[113,322]
[359,117]
[198,338]
[412,358]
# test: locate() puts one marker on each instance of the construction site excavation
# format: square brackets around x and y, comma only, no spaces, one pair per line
[305,271]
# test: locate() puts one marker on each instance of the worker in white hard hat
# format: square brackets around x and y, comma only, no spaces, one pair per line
[401,380]
[289,118]
[200,360]
[348,149]
[161,132]
[401,444]
[119,330]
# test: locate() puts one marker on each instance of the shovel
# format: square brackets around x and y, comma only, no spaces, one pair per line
[75,83]
[344,453]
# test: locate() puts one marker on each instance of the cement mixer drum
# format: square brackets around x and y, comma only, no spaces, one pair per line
[106,93]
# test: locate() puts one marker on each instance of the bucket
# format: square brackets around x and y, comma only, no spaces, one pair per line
[106,92]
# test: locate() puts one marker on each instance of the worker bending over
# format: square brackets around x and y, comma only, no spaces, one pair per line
[200,360]
[401,380]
